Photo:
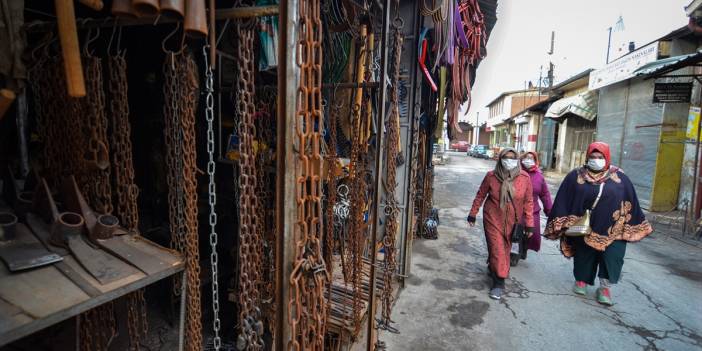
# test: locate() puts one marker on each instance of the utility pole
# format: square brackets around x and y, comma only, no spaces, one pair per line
[609,43]
[550,61]
[476,133]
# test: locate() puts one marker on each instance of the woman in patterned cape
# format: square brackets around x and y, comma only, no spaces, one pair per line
[616,219]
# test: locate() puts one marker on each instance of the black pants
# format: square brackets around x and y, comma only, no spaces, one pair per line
[589,262]
[497,282]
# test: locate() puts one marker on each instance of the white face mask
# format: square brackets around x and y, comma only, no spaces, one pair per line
[528,163]
[509,163]
[596,164]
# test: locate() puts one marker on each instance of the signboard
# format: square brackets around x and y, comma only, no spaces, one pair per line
[672,92]
[624,67]
[693,119]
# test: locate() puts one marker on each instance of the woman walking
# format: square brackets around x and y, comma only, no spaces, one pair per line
[530,163]
[595,214]
[509,197]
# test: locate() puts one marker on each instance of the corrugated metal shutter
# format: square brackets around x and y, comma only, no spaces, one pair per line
[635,149]
[610,118]
[546,142]
[642,139]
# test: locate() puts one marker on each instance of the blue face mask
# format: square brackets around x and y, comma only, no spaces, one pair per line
[596,164]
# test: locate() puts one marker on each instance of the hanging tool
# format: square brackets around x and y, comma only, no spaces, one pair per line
[18,199]
[105,232]
[7,96]
[96,5]
[146,7]
[174,8]
[67,231]
[19,249]
[68,35]
[195,23]
[122,8]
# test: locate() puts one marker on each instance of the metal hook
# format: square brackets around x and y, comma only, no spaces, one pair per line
[89,40]
[43,44]
[163,43]
[112,36]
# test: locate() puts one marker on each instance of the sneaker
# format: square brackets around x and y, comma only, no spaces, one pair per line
[604,297]
[513,259]
[496,293]
[580,288]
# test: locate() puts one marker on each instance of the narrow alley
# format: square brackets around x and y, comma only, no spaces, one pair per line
[445,305]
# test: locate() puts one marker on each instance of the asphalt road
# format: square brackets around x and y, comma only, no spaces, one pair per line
[444,305]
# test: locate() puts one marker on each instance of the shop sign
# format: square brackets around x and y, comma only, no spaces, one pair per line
[624,67]
[693,119]
[672,92]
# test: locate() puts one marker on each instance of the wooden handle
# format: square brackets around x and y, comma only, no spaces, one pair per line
[123,8]
[195,18]
[96,5]
[213,41]
[7,96]
[68,34]
[175,8]
[146,7]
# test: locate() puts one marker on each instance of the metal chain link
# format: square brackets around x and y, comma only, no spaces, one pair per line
[391,208]
[309,277]
[180,92]
[212,196]
[250,243]
[126,190]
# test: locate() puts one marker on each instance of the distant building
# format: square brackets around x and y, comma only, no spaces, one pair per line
[500,125]
[570,123]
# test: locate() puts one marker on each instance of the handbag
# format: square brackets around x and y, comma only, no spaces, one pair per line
[517,234]
[582,226]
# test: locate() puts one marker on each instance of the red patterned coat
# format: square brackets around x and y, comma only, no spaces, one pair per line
[498,222]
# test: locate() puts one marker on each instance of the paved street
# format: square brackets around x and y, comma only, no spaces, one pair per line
[444,305]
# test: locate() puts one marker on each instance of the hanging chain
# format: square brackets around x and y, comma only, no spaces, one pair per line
[391,209]
[180,92]
[309,277]
[212,196]
[96,183]
[250,244]
[126,190]
[121,144]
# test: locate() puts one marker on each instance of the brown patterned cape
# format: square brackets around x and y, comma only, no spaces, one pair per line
[617,216]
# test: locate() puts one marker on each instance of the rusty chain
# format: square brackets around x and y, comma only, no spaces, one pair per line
[180,93]
[126,190]
[309,277]
[391,210]
[250,243]
[121,145]
[96,180]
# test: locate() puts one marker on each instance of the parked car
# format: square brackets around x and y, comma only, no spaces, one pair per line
[479,151]
[460,146]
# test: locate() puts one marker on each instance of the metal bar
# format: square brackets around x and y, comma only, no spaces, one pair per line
[220,15]
[181,321]
[372,85]
[285,180]
[412,114]
[370,345]
[22,132]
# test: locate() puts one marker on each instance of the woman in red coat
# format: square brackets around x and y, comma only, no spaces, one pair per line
[509,197]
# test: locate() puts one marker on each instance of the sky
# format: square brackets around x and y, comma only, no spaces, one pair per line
[519,43]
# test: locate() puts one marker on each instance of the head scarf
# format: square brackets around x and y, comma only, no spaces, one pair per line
[599,177]
[535,167]
[506,177]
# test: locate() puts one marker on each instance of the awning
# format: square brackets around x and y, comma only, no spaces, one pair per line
[669,64]
[583,105]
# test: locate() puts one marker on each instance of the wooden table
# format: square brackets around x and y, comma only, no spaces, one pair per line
[35,299]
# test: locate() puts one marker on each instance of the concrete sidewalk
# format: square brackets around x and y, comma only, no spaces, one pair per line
[445,306]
